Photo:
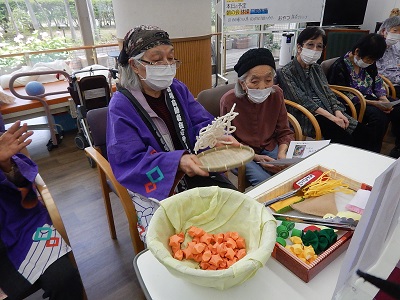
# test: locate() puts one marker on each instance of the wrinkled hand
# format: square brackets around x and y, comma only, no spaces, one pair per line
[13,141]
[341,116]
[265,159]
[189,164]
[227,140]
[282,155]
[381,105]
[339,122]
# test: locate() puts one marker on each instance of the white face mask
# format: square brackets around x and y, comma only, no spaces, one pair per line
[159,77]
[309,56]
[258,96]
[360,63]
[392,38]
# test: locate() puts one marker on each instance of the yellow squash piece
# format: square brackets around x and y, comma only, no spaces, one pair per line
[284,205]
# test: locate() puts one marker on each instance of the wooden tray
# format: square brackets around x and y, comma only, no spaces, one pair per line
[225,158]
[301,269]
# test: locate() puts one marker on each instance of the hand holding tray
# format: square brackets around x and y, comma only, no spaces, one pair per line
[224,158]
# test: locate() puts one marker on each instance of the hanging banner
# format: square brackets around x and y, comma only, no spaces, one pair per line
[259,12]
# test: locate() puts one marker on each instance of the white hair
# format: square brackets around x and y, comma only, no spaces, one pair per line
[128,78]
[389,24]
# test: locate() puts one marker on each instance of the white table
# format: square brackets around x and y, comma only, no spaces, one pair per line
[273,281]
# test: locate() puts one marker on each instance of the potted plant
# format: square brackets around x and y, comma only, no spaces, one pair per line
[274,48]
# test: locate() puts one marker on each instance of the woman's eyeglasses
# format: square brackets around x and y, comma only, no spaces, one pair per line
[170,62]
[312,46]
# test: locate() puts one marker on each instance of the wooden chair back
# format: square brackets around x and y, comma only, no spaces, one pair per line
[339,89]
[105,173]
[210,98]
[310,116]
[97,120]
[390,90]
[326,64]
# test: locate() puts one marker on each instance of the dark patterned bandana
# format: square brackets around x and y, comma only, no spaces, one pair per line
[140,39]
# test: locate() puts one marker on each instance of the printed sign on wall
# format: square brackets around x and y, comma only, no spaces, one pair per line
[258,12]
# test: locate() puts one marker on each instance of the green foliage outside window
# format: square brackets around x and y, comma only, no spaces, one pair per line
[53,29]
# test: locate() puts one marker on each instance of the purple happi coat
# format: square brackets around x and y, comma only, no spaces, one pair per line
[30,239]
[136,158]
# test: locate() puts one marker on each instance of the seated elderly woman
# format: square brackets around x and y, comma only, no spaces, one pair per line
[262,122]
[303,81]
[153,123]
[389,66]
[357,69]
[31,250]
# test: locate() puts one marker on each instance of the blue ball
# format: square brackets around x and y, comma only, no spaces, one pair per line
[34,88]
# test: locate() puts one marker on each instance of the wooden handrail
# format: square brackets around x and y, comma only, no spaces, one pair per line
[57,50]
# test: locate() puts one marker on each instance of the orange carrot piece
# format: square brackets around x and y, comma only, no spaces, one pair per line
[219,237]
[178,255]
[223,264]
[215,260]
[234,235]
[241,253]
[206,256]
[206,238]
[213,248]
[196,231]
[211,251]
[199,248]
[204,265]
[192,231]
[240,243]
[230,243]
[230,253]
[175,240]
[187,253]
[175,248]
[221,249]
[191,244]
[197,257]
[227,235]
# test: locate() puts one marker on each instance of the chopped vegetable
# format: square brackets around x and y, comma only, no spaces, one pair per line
[211,251]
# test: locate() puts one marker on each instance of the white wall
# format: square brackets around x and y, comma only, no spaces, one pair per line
[378,11]
[180,18]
